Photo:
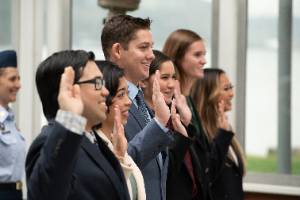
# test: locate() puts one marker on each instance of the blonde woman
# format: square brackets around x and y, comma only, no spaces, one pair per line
[213,95]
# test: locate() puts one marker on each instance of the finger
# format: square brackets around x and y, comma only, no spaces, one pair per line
[67,79]
[76,91]
[156,87]
[173,108]
[177,86]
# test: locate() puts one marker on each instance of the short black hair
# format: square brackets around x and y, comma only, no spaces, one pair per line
[49,73]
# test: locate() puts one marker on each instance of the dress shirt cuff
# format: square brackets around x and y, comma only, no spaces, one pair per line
[73,122]
[165,129]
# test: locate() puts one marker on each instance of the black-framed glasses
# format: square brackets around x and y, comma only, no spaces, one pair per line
[97,81]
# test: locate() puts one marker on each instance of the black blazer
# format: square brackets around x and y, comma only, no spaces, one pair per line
[228,184]
[63,165]
[207,161]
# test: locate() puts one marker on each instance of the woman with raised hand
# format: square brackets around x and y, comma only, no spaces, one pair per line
[187,50]
[213,95]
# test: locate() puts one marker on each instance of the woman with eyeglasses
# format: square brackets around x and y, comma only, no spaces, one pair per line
[112,129]
[213,95]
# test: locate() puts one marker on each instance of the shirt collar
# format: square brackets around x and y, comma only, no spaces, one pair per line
[6,114]
[132,89]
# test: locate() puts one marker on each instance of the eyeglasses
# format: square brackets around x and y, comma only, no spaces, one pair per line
[97,81]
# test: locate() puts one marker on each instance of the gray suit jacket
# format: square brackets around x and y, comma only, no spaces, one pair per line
[146,141]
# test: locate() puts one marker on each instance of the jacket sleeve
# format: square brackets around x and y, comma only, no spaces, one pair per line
[50,162]
[148,143]
[218,152]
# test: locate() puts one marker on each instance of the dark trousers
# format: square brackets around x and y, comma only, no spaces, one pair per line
[10,195]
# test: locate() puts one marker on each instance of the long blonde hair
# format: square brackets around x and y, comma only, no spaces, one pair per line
[205,95]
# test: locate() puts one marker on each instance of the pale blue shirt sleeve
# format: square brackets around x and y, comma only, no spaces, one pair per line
[12,148]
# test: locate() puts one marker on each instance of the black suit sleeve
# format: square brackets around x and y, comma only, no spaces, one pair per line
[50,162]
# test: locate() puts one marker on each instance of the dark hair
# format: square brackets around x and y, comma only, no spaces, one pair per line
[159,59]
[111,74]
[121,29]
[49,73]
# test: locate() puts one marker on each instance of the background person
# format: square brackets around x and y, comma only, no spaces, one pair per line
[12,143]
[213,95]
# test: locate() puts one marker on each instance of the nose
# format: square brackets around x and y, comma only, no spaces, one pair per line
[203,60]
[18,84]
[128,101]
[231,93]
[150,55]
[171,83]
[104,91]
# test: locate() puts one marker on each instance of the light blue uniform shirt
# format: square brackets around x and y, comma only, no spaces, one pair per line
[12,148]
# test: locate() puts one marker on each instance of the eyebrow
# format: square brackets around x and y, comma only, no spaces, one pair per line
[122,89]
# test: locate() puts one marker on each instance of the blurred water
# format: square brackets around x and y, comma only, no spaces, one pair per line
[262,92]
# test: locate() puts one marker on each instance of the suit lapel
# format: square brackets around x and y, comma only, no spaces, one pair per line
[101,160]
[137,116]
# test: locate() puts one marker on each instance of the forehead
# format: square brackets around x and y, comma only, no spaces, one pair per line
[8,71]
[167,67]
[90,71]
[142,36]
[224,79]
[197,46]
[122,83]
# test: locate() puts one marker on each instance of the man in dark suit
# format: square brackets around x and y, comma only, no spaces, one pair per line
[127,41]
[68,160]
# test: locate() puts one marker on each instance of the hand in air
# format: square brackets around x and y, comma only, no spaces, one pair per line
[177,125]
[118,138]
[69,98]
[222,117]
[182,106]
[162,112]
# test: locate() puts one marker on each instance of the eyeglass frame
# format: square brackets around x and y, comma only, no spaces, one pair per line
[98,82]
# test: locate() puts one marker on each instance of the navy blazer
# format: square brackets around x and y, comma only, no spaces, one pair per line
[146,141]
[62,165]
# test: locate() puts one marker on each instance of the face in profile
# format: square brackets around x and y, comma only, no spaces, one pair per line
[122,100]
[226,91]
[9,85]
[93,100]
[137,57]
[194,60]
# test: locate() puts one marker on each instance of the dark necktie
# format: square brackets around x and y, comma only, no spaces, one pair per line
[142,106]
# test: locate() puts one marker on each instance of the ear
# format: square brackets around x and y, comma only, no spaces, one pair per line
[144,83]
[116,51]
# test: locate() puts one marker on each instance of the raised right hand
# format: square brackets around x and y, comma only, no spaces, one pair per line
[162,112]
[178,126]
[69,98]
[222,118]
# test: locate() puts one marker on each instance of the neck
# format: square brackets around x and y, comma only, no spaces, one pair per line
[187,86]
[107,129]
[148,100]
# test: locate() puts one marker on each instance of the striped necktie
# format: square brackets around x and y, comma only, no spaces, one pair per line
[142,106]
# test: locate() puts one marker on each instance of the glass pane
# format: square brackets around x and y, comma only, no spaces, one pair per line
[5,27]
[169,15]
[296,89]
[262,88]
[261,97]
[88,18]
